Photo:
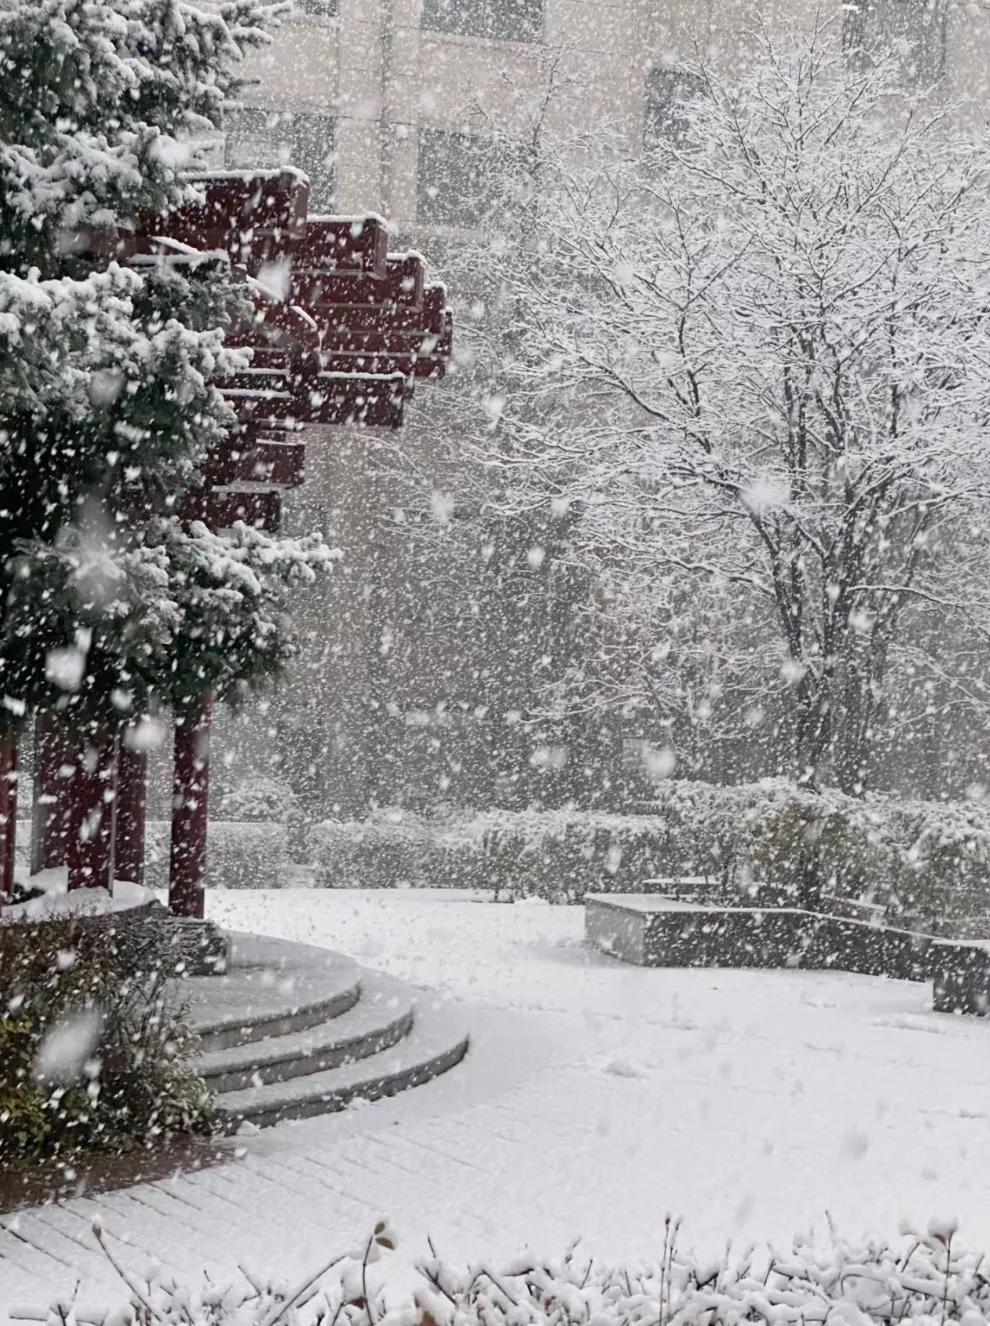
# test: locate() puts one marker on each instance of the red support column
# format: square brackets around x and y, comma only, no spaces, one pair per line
[89,837]
[52,755]
[8,812]
[190,793]
[131,809]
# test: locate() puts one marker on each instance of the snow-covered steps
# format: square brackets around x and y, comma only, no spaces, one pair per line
[270,988]
[383,1016]
[289,1031]
[437,1041]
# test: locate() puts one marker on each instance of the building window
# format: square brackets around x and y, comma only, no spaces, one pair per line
[909,32]
[270,140]
[668,92]
[457,182]
[500,20]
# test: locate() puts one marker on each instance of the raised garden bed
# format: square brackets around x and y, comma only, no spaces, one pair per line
[665,932]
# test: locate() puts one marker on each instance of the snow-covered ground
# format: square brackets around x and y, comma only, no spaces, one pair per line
[596,1098]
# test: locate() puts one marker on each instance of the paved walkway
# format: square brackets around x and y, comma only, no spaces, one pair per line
[595,1098]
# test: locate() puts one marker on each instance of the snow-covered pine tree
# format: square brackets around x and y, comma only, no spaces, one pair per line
[107,600]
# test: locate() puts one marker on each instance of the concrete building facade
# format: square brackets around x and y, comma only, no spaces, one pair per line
[379,100]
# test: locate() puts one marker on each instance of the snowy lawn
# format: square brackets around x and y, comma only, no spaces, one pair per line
[599,1096]
[596,1098]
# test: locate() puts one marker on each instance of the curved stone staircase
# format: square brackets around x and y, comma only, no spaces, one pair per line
[289,1031]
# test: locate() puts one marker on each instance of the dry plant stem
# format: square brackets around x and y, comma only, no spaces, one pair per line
[308,1283]
[364,1277]
[98,1234]
[948,1267]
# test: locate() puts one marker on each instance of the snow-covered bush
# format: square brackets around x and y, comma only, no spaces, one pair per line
[94,1050]
[939,854]
[397,849]
[562,855]
[242,855]
[927,863]
[258,798]
[923,1278]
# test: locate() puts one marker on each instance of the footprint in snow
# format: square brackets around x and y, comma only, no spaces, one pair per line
[620,1068]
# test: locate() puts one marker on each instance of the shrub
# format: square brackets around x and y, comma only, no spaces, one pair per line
[94,1049]
[258,798]
[563,855]
[924,1278]
[927,863]
[240,855]
[397,849]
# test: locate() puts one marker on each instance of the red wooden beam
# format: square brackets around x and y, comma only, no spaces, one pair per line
[369,411]
[430,317]
[220,508]
[332,398]
[391,343]
[89,838]
[130,810]
[278,362]
[286,325]
[256,218]
[356,242]
[283,380]
[409,365]
[266,460]
[401,286]
[53,765]
[271,356]
[400,344]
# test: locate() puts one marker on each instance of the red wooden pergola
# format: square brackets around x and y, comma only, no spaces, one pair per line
[340,330]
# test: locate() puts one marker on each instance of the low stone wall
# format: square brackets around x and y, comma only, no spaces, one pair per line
[961,976]
[788,937]
[666,933]
[616,930]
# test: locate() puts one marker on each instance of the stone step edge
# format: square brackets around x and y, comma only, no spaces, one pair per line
[381,998]
[365,1030]
[244,1029]
[437,1042]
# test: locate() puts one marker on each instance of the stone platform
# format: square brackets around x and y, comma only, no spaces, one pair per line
[289,1031]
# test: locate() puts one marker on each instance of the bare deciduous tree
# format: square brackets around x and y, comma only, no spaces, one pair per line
[758,363]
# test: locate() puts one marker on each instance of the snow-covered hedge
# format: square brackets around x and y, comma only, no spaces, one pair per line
[926,863]
[240,854]
[922,1278]
[258,798]
[397,849]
